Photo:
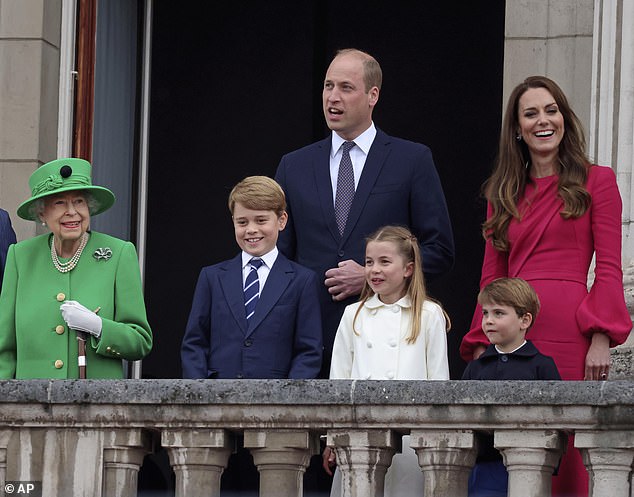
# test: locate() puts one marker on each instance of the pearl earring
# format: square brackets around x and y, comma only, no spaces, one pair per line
[518,137]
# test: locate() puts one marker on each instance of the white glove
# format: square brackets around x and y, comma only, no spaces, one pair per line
[79,318]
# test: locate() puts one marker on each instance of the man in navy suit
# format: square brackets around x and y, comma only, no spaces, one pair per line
[395,182]
[7,237]
[261,325]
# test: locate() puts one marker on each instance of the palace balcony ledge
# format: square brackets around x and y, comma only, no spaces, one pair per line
[89,437]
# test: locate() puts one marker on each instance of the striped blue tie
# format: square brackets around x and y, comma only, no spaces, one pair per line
[252,287]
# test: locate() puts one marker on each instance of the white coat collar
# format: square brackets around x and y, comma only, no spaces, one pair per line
[374,302]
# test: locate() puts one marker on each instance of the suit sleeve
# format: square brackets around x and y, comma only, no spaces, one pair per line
[8,351]
[286,242]
[494,265]
[128,332]
[7,237]
[308,346]
[195,348]
[430,218]
[604,309]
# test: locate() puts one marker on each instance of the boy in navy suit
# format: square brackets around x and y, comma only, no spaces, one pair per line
[256,315]
[509,309]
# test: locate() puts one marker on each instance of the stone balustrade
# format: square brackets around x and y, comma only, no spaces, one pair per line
[89,437]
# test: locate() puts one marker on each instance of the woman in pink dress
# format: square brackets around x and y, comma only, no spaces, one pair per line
[549,210]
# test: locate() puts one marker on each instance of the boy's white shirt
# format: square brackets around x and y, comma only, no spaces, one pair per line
[380,350]
[514,350]
[263,272]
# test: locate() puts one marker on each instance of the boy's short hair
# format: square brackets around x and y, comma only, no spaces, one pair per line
[514,292]
[259,193]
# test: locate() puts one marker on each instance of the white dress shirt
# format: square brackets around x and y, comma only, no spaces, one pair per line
[263,271]
[358,155]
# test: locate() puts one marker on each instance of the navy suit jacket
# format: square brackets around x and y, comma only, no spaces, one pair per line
[399,185]
[281,340]
[7,237]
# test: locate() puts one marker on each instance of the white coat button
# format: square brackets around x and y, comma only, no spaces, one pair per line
[60,297]
[396,309]
[59,329]
[369,344]
[393,343]
[59,364]
[373,312]
[390,375]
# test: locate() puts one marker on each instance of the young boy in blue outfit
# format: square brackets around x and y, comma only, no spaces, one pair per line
[256,315]
[509,308]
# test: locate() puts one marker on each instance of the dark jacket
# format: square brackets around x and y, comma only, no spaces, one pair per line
[526,363]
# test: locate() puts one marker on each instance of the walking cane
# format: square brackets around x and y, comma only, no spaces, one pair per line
[81,353]
[81,350]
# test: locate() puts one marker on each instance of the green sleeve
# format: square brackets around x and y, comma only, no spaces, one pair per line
[7,317]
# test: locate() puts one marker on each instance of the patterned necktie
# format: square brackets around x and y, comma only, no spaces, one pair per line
[345,187]
[252,287]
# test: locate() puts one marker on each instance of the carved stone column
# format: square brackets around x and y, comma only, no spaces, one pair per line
[281,458]
[530,457]
[363,458]
[446,458]
[5,435]
[122,457]
[608,455]
[198,457]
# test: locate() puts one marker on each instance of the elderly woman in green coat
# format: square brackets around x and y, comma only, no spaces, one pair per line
[69,284]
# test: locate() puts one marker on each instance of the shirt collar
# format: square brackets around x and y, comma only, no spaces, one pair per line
[363,141]
[512,351]
[374,302]
[268,258]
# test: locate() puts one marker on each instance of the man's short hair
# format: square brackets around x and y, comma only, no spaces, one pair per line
[372,74]
[259,193]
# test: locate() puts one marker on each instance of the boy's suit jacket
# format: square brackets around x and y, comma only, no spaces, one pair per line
[282,339]
[399,185]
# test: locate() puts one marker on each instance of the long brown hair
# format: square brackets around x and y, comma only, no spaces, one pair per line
[506,184]
[408,248]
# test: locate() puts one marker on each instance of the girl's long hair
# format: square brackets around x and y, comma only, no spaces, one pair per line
[407,246]
[506,184]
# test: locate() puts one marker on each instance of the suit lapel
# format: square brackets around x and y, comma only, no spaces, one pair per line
[231,282]
[321,167]
[279,278]
[379,151]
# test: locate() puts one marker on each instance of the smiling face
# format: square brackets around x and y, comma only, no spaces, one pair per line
[257,230]
[347,104]
[541,124]
[503,327]
[386,271]
[68,217]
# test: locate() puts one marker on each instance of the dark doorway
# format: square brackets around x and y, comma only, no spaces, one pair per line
[235,85]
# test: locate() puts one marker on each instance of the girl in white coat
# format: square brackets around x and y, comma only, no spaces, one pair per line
[395,332]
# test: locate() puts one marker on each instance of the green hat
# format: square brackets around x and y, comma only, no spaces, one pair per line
[64,175]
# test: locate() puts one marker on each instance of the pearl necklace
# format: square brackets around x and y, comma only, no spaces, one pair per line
[65,267]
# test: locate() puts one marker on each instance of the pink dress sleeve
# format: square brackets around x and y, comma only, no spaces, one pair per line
[604,309]
[494,265]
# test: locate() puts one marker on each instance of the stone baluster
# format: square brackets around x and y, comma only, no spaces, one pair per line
[530,457]
[123,455]
[363,457]
[446,458]
[608,455]
[198,458]
[281,458]
[5,435]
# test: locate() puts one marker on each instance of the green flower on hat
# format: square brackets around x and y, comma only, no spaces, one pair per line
[64,175]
